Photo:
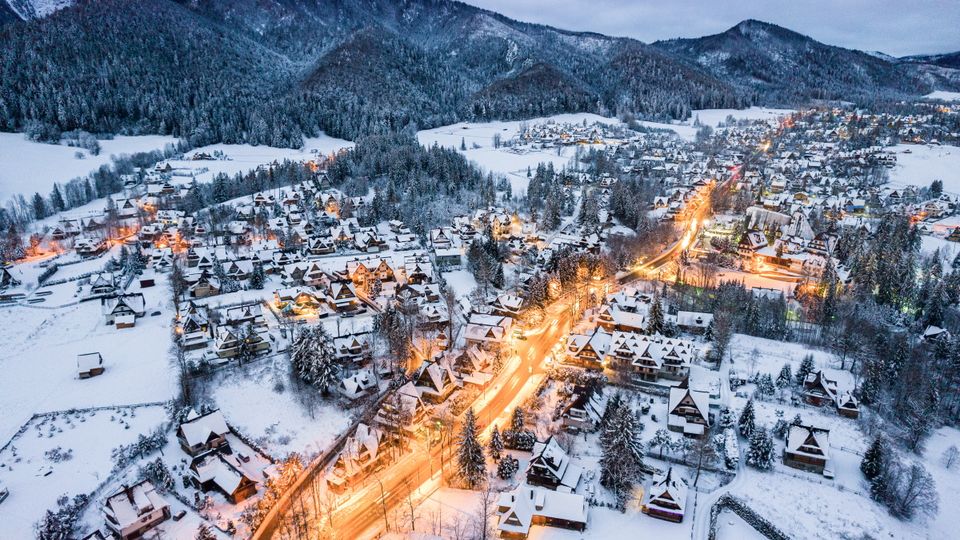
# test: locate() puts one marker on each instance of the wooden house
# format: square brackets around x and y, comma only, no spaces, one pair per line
[808,448]
[688,410]
[215,471]
[667,497]
[819,390]
[122,310]
[526,506]
[199,434]
[89,365]
[135,510]
[550,467]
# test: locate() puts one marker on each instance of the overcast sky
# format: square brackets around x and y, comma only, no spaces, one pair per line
[897,27]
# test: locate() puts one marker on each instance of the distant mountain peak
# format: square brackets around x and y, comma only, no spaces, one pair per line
[35,9]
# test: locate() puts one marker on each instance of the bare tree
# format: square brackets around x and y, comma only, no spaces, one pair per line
[485,511]
[950,457]
[912,491]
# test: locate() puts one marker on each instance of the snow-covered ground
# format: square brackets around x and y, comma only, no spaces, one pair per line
[39,359]
[478,138]
[36,479]
[461,281]
[245,157]
[730,526]
[943,95]
[920,165]
[712,117]
[254,404]
[27,167]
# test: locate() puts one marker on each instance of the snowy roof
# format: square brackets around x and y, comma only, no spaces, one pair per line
[518,508]
[668,493]
[128,504]
[809,441]
[226,472]
[198,429]
[88,361]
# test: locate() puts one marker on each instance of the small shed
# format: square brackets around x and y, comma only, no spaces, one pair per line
[89,365]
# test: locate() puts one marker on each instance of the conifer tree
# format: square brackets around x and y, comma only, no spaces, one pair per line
[622,460]
[872,464]
[257,277]
[507,467]
[785,378]
[746,423]
[761,453]
[495,446]
[314,360]
[470,459]
[656,323]
[806,367]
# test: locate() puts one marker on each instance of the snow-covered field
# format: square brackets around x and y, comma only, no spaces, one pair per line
[732,527]
[36,479]
[925,163]
[277,420]
[39,355]
[507,161]
[245,157]
[943,95]
[27,167]
[712,117]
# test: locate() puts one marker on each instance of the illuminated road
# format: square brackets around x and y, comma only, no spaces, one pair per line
[362,514]
[366,519]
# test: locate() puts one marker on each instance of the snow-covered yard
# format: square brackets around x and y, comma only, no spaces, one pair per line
[253,402]
[36,469]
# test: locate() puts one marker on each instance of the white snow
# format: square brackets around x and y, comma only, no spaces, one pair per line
[27,167]
[730,526]
[502,160]
[246,157]
[461,281]
[29,9]
[91,435]
[920,165]
[40,347]
[277,421]
[943,95]
[712,117]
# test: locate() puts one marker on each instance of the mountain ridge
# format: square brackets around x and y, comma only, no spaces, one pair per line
[287,68]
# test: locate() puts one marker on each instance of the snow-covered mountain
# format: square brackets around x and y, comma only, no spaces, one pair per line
[272,71]
[782,65]
[35,9]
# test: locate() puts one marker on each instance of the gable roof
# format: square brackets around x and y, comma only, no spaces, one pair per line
[199,429]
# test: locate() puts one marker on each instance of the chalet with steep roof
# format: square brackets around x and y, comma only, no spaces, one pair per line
[667,497]
[808,448]
[550,467]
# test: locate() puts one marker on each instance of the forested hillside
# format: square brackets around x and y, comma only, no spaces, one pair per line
[777,65]
[273,71]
